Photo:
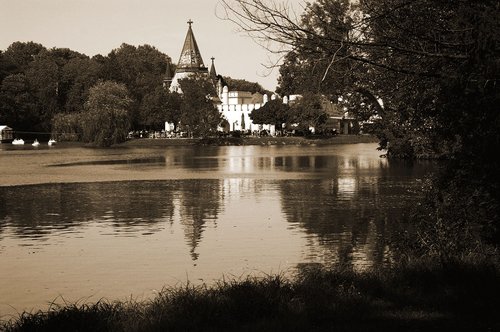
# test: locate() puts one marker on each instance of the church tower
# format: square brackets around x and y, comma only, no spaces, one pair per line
[190,62]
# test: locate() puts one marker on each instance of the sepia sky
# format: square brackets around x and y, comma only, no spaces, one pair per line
[99,26]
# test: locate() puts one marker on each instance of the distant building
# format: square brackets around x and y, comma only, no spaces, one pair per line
[6,133]
[234,106]
[340,120]
[190,63]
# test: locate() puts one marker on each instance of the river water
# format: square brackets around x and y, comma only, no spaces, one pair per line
[78,225]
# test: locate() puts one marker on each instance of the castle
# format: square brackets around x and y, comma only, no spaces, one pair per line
[234,106]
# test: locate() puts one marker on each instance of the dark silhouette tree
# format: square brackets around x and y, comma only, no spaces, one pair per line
[273,112]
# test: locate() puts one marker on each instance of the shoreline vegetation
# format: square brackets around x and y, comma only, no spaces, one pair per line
[424,296]
[250,140]
[447,290]
[38,166]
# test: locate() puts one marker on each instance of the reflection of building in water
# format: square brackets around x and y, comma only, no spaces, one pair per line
[200,201]
[240,159]
[346,187]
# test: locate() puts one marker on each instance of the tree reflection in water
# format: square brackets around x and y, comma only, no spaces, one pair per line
[138,207]
[342,207]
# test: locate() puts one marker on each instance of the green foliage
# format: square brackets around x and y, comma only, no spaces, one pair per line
[308,112]
[17,104]
[421,296]
[244,85]
[160,106]
[273,112]
[199,116]
[58,80]
[106,119]
[67,127]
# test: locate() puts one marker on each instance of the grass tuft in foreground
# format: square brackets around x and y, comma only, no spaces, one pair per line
[419,297]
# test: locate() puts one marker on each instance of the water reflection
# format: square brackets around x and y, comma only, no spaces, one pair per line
[200,212]
[122,208]
[200,203]
[348,217]
[341,206]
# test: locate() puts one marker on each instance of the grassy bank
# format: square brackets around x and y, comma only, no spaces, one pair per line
[420,297]
[251,140]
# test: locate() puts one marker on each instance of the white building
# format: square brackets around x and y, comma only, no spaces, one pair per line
[190,63]
[234,106]
[6,133]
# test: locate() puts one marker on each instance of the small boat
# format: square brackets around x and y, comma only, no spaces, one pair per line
[36,143]
[18,141]
[51,142]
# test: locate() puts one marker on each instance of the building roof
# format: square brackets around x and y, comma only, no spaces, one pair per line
[3,127]
[213,72]
[190,59]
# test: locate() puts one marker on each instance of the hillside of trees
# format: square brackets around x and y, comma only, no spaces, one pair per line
[56,91]
[38,83]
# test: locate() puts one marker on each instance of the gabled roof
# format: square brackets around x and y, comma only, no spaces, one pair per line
[2,127]
[190,59]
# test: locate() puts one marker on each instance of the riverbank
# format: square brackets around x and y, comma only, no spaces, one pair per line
[251,140]
[420,297]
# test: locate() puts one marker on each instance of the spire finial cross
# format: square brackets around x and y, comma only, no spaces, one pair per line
[190,22]
[212,58]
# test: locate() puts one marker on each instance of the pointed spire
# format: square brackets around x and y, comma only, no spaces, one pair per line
[190,59]
[213,73]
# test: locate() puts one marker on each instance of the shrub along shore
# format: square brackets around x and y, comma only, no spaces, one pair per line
[252,140]
[443,279]
[424,296]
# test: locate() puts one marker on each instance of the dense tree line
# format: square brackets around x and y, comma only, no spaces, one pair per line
[302,114]
[428,69]
[45,90]
[37,83]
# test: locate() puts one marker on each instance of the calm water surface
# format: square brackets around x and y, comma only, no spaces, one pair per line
[188,213]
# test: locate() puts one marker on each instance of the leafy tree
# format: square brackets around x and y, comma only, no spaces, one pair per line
[160,106]
[199,116]
[105,120]
[43,77]
[6,67]
[273,112]
[380,50]
[19,55]
[244,85]
[140,68]
[58,80]
[77,77]
[308,112]
[67,126]
[17,104]
[51,84]
[428,68]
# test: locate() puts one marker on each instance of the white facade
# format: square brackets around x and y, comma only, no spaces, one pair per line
[236,107]
[5,133]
